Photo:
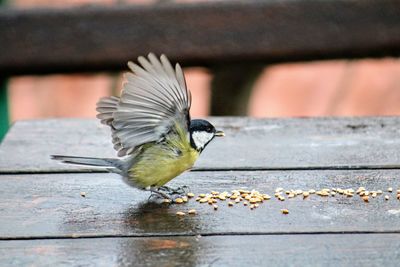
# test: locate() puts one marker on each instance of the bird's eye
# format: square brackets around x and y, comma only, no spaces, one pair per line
[208,129]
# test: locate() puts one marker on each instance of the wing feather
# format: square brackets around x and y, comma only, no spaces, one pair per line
[154,99]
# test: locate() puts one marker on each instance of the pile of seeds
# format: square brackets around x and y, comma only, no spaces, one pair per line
[254,198]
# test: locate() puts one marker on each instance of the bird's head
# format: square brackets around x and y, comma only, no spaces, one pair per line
[201,133]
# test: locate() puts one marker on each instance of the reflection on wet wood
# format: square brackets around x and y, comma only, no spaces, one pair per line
[45,220]
[263,250]
[50,205]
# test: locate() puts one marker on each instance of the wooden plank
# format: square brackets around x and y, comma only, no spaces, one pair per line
[249,144]
[281,250]
[50,205]
[105,37]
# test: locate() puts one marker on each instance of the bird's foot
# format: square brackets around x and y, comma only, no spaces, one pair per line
[175,191]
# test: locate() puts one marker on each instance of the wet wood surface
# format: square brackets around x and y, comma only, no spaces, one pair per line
[44,220]
[261,250]
[103,37]
[249,144]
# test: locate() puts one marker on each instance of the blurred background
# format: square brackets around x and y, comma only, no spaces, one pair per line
[364,87]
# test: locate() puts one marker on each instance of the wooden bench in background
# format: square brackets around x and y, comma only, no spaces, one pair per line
[44,220]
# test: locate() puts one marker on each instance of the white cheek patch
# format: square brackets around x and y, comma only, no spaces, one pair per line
[200,139]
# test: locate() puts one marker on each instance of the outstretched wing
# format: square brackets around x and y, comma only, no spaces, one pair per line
[153,100]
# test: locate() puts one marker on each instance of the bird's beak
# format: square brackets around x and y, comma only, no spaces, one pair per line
[219,133]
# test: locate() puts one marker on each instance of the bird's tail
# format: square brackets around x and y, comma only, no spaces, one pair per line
[98,162]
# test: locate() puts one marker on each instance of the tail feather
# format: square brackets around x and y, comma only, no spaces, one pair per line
[99,162]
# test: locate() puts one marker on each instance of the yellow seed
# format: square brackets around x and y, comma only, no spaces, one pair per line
[360,189]
[221,197]
[214,193]
[287,192]
[192,212]
[362,193]
[215,207]
[285,211]
[179,200]
[165,200]
[266,197]
[202,195]
[390,189]
[253,200]
[398,196]
[203,200]
[180,213]
[306,194]
[379,192]
[230,203]
[291,195]
[333,193]
[279,189]
[252,206]
[185,199]
[365,198]
[234,197]
[237,200]
[210,201]
[398,191]
[245,203]
[281,198]
[256,205]
[366,193]
[299,192]
[323,193]
[374,194]
[83,194]
[386,197]
[198,198]
[312,191]
[190,194]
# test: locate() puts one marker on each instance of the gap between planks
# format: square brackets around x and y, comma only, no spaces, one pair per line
[313,168]
[92,236]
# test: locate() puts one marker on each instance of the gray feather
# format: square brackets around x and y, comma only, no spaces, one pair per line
[153,100]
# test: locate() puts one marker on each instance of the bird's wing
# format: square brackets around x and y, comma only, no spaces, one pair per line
[153,100]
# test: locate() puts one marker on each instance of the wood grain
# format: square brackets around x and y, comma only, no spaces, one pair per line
[50,205]
[281,250]
[249,144]
[105,38]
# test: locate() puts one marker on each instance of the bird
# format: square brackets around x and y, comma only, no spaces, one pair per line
[152,131]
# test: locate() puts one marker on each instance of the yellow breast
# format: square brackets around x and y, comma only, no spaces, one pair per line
[159,163]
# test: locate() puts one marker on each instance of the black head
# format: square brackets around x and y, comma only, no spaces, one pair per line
[201,133]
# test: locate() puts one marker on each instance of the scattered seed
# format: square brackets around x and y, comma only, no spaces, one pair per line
[185,199]
[179,200]
[306,194]
[83,194]
[390,189]
[311,191]
[215,207]
[285,211]
[278,190]
[237,200]
[203,200]
[180,213]
[386,197]
[230,203]
[166,200]
[245,203]
[252,206]
[365,198]
[190,194]
[193,212]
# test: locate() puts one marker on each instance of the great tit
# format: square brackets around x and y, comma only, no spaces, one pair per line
[151,127]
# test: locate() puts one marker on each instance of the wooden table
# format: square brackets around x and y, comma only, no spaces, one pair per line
[45,221]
